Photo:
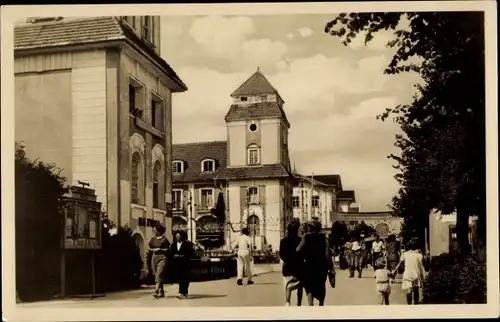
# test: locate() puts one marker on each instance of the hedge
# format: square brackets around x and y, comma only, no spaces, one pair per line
[38,228]
[455,280]
[118,263]
[38,225]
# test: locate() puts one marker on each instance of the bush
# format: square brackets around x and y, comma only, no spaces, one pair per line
[119,263]
[38,227]
[455,280]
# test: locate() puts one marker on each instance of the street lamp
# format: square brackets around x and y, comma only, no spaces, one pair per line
[190,214]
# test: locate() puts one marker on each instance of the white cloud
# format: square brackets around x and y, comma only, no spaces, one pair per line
[229,38]
[290,36]
[220,35]
[353,143]
[305,31]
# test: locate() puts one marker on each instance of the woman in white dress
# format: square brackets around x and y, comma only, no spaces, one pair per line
[414,273]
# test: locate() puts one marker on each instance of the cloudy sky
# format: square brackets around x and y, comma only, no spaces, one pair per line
[332,92]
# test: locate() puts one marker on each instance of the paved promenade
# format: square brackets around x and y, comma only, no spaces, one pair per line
[267,291]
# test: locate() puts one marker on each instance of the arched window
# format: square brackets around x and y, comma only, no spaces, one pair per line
[177,166]
[253,224]
[137,180]
[157,184]
[208,165]
[253,154]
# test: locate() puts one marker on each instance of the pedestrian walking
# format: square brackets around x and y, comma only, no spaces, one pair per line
[159,245]
[355,258]
[392,254]
[377,250]
[318,263]
[292,262]
[382,281]
[181,252]
[414,272]
[243,246]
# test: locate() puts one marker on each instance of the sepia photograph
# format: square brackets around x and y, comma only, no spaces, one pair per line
[273,161]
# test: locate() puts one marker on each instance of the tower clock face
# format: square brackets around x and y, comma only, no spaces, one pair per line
[253,127]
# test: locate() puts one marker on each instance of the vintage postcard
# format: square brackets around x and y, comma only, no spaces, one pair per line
[252,161]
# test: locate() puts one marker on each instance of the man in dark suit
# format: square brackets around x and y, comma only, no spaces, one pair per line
[181,252]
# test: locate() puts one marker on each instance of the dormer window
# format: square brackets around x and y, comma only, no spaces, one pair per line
[253,154]
[243,98]
[177,167]
[208,165]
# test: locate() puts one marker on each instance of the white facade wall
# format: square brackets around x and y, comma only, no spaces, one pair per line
[88,88]
[306,211]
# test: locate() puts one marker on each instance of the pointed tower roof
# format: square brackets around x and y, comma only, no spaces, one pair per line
[256,84]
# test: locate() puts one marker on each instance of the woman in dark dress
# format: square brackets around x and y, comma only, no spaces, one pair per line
[318,263]
[181,252]
[159,245]
[292,262]
[392,253]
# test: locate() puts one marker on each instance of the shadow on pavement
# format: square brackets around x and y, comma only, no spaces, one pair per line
[198,296]
[265,283]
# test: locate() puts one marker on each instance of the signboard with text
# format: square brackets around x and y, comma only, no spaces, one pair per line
[82,220]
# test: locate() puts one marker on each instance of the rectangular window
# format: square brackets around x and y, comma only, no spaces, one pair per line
[315,201]
[253,156]
[263,98]
[155,194]
[136,98]
[296,201]
[253,195]
[131,99]
[153,113]
[207,198]
[147,28]
[177,199]
[243,98]
[157,113]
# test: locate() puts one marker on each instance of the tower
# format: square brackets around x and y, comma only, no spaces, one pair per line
[258,168]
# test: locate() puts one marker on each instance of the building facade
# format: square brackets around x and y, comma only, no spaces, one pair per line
[94,97]
[346,201]
[315,198]
[250,174]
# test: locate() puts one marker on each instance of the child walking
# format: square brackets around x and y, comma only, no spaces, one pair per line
[382,280]
[414,273]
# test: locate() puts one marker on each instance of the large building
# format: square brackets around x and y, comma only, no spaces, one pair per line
[94,97]
[250,172]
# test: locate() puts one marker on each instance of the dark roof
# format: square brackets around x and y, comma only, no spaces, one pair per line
[347,194]
[66,32]
[192,154]
[55,34]
[254,172]
[328,179]
[256,84]
[255,111]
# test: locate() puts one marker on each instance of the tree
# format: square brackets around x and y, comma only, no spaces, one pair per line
[38,226]
[339,234]
[442,161]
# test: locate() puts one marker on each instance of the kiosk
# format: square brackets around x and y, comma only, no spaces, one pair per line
[82,229]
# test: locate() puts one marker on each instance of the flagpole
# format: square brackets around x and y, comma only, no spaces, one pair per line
[312,195]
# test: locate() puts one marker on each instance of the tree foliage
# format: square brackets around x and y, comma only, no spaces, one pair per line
[339,234]
[38,226]
[442,160]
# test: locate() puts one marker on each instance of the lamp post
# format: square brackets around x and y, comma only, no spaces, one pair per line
[190,214]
